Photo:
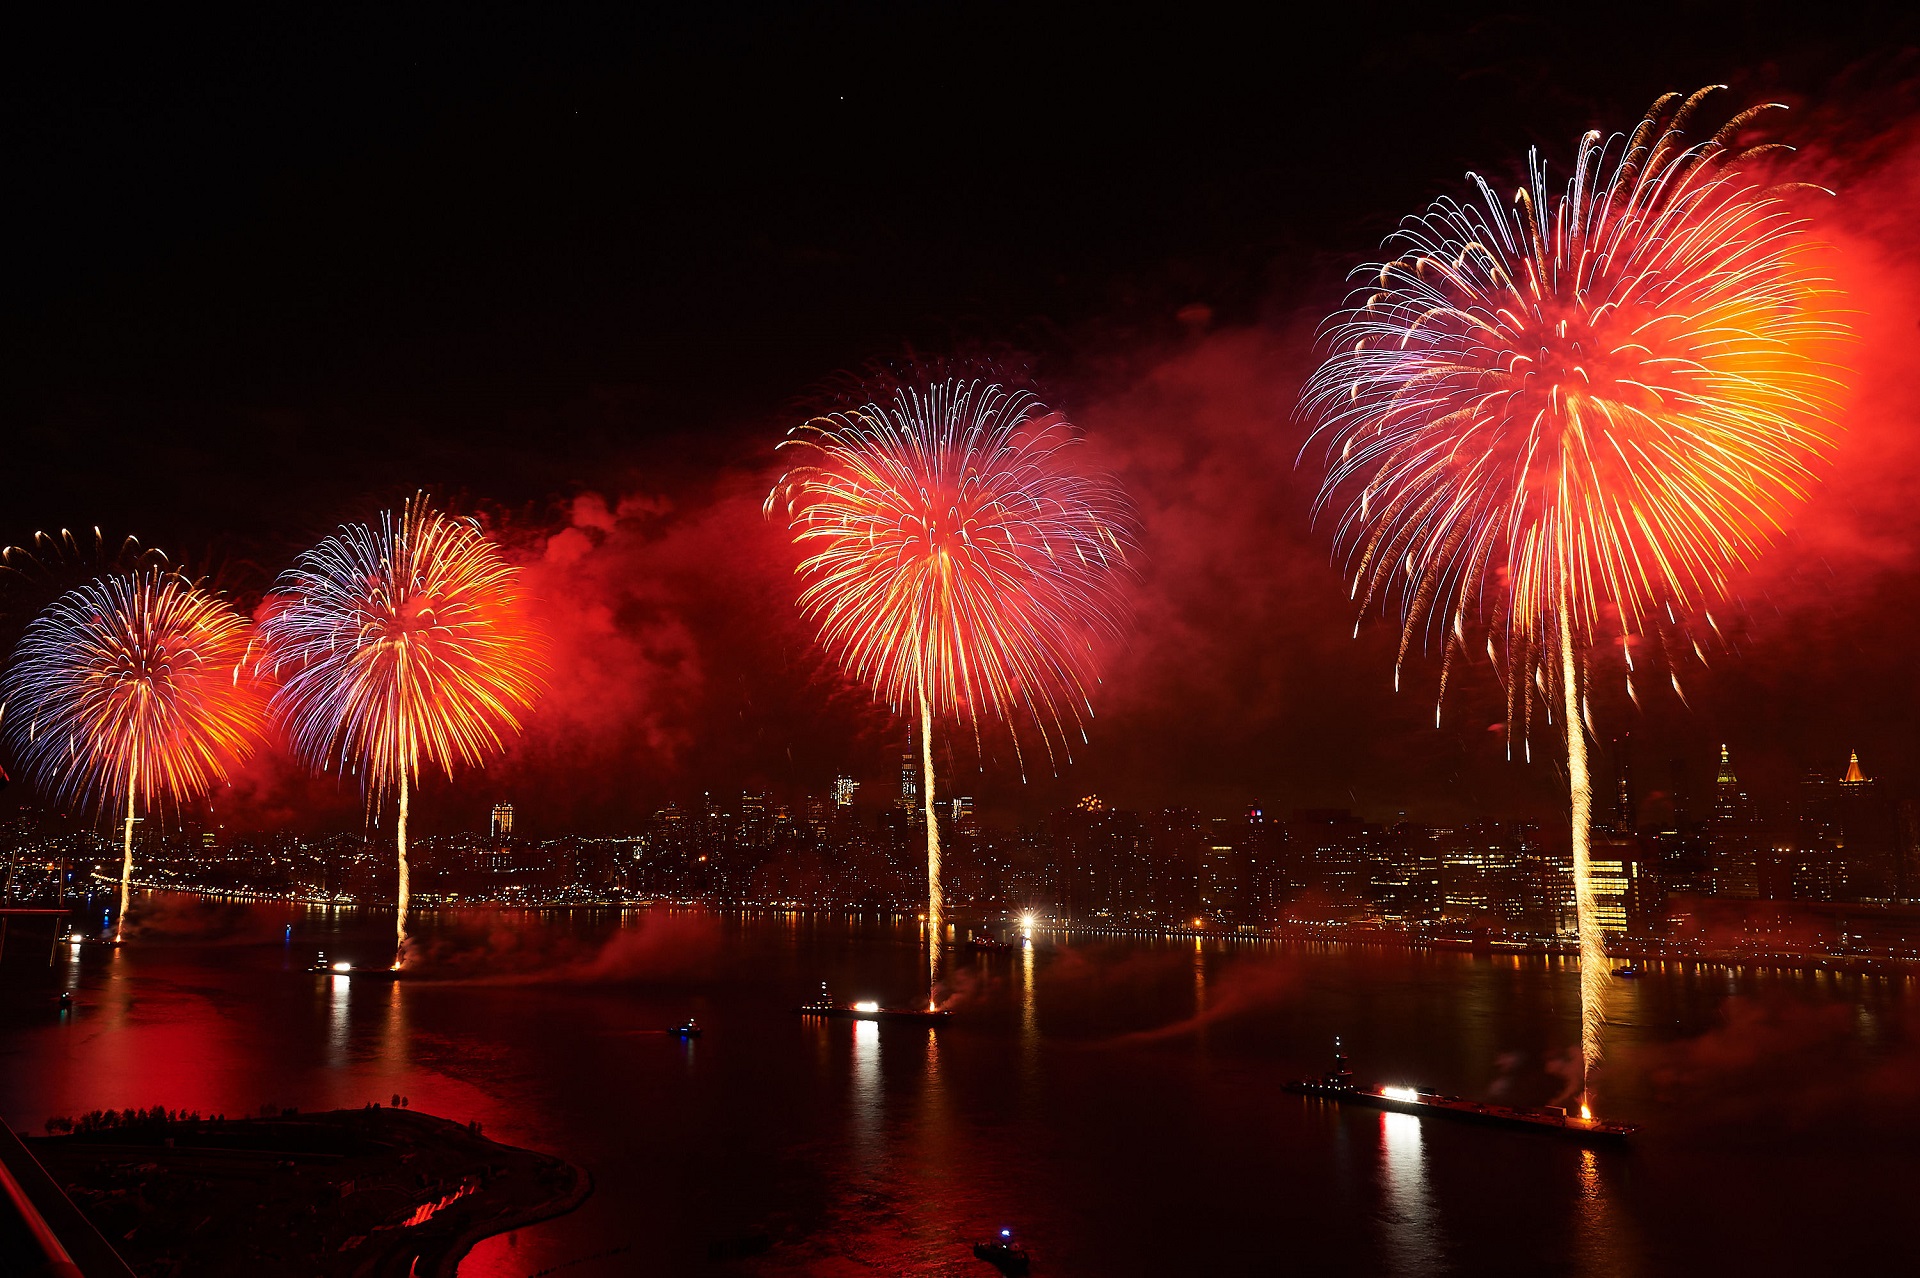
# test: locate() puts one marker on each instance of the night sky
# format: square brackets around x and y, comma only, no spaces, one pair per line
[578,275]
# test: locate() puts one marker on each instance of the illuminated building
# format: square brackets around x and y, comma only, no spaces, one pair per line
[1327,845]
[1625,806]
[909,800]
[1263,846]
[843,788]
[1614,870]
[1220,878]
[1737,853]
[1867,841]
[502,824]
[1479,870]
[755,813]
[1407,877]
[817,815]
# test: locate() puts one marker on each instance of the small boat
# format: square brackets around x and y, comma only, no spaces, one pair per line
[983,943]
[320,967]
[1002,1254]
[689,1030]
[1338,1086]
[1631,972]
[827,1008]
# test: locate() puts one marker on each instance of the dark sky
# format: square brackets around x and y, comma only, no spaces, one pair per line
[269,272]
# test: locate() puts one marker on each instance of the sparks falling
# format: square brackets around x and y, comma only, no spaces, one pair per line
[397,646]
[131,691]
[1563,422]
[956,563]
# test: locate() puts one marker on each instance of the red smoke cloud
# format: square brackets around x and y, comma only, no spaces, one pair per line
[493,947]
[679,660]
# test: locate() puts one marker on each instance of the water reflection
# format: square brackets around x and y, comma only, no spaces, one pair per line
[1607,1246]
[339,992]
[1199,977]
[867,1103]
[1029,1020]
[394,1051]
[1412,1226]
[937,1131]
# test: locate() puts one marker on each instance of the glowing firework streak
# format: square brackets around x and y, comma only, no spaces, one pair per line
[956,565]
[129,691]
[400,645]
[1546,416]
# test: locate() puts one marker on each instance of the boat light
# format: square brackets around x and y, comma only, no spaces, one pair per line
[868,1006]
[1400,1093]
[343,967]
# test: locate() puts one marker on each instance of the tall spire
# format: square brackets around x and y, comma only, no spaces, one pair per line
[1726,776]
[1854,774]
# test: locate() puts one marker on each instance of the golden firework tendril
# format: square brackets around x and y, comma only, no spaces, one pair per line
[1563,420]
[401,645]
[133,690]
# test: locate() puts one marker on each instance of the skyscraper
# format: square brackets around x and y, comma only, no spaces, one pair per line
[1868,840]
[502,820]
[1730,804]
[843,788]
[1740,851]
[909,801]
[1625,805]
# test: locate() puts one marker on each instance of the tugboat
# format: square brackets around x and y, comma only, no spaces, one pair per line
[689,1030]
[1002,1254]
[982,943]
[1631,972]
[826,1007]
[1338,1086]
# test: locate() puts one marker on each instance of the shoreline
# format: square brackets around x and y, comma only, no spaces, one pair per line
[336,1194]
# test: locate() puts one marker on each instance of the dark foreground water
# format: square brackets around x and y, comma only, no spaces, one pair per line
[1116,1101]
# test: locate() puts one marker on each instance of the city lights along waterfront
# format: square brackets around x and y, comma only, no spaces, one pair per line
[1120,1103]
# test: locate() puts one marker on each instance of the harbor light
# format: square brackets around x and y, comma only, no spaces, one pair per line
[868,1006]
[1400,1093]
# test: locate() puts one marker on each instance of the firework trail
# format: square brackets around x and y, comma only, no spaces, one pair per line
[398,646]
[1563,422]
[955,563]
[129,691]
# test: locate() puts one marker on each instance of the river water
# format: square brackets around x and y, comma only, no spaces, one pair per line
[1116,1101]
